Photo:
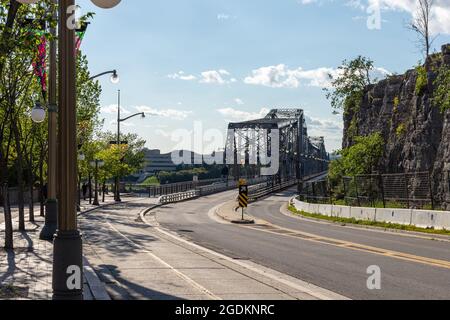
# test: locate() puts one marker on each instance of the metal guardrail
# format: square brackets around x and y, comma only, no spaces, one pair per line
[207,190]
[177,197]
[268,189]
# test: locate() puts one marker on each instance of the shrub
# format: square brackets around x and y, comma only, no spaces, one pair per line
[441,95]
[401,130]
[360,158]
[421,81]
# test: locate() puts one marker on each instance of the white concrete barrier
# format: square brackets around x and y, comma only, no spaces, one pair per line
[326,209]
[341,211]
[400,216]
[425,219]
[419,218]
[366,214]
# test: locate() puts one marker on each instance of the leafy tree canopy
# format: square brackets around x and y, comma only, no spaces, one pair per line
[352,76]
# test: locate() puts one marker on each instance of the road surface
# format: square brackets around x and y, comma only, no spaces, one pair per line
[325,263]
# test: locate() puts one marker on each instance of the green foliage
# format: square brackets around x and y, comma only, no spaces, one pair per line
[401,130]
[88,102]
[120,160]
[347,87]
[151,181]
[441,95]
[421,81]
[361,158]
[396,104]
[207,172]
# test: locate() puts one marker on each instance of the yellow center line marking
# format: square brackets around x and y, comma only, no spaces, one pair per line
[353,246]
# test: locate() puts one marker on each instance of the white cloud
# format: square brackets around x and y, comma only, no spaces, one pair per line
[220,76]
[323,127]
[280,76]
[165,113]
[440,20]
[239,115]
[239,101]
[216,77]
[112,109]
[182,76]
[223,16]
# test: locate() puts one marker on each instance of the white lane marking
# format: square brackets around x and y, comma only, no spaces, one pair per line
[300,285]
[177,272]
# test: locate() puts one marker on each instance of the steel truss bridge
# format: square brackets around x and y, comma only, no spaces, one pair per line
[279,138]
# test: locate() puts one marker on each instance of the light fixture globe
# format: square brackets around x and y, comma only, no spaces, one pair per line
[38,114]
[115,78]
[106,4]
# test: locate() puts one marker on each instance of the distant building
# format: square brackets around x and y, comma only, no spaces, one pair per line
[157,162]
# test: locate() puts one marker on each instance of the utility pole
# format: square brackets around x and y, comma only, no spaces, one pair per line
[118,147]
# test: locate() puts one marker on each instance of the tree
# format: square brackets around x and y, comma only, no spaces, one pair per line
[122,160]
[18,51]
[352,77]
[361,158]
[421,25]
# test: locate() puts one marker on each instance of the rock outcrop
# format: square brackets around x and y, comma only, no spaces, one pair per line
[416,132]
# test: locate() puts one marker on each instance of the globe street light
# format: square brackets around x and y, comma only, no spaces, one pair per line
[38,113]
[67,250]
[114,77]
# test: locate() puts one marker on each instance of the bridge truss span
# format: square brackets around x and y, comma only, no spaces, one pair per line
[277,145]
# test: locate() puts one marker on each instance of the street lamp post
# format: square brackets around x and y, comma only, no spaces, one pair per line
[119,120]
[114,77]
[96,164]
[67,249]
[51,204]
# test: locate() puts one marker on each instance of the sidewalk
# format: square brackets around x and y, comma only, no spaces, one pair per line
[26,271]
[138,260]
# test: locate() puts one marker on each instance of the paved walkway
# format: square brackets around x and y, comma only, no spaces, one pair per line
[26,271]
[138,260]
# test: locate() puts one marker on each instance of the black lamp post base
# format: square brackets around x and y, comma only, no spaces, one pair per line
[68,266]
[51,216]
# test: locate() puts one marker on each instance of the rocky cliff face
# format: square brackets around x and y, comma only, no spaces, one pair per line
[417,133]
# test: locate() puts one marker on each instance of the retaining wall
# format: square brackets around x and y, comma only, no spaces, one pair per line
[420,218]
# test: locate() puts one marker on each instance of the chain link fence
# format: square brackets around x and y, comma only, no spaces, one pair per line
[404,190]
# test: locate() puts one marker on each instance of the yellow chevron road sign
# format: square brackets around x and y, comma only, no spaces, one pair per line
[243,196]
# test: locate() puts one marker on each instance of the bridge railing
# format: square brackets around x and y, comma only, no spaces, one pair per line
[208,190]
[263,191]
[177,197]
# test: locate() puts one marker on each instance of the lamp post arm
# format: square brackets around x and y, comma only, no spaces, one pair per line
[103,73]
[134,115]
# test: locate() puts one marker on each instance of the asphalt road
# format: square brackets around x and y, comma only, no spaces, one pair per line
[339,269]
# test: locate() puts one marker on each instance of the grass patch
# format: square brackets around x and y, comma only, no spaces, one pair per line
[385,225]
[151,181]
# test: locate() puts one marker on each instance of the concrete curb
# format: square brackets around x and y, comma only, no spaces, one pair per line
[96,286]
[232,218]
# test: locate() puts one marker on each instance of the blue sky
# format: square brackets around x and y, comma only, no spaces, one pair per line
[218,61]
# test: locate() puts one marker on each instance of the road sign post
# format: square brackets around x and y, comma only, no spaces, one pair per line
[243,197]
